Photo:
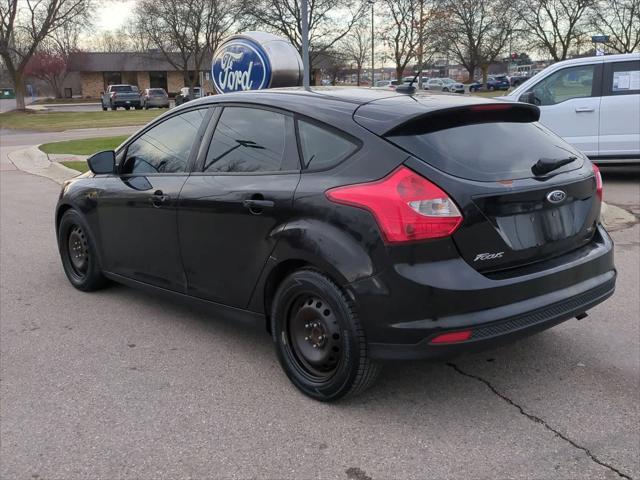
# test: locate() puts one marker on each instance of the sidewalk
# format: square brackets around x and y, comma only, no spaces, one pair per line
[33,160]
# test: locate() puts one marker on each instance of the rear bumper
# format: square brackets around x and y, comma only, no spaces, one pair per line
[404,309]
[126,103]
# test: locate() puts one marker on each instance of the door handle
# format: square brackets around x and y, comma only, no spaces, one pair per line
[158,198]
[250,203]
[256,204]
[585,109]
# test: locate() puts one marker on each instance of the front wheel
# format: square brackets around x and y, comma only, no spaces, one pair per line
[78,253]
[319,340]
[445,89]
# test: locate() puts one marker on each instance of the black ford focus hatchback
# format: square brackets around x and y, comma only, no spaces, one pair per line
[356,226]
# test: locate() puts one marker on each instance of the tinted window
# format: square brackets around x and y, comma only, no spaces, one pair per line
[489,151]
[248,140]
[563,85]
[322,148]
[622,78]
[166,147]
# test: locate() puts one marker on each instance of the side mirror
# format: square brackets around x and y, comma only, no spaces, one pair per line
[528,97]
[103,162]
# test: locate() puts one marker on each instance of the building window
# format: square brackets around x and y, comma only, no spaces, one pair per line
[158,80]
[112,78]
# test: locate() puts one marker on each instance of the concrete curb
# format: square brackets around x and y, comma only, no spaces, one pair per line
[35,161]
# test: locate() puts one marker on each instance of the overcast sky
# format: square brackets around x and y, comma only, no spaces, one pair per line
[111,14]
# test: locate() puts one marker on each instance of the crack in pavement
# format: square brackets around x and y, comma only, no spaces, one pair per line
[540,421]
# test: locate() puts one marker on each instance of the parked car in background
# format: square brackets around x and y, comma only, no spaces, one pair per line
[387,84]
[154,97]
[498,82]
[593,103]
[125,96]
[354,226]
[185,95]
[445,85]
[422,83]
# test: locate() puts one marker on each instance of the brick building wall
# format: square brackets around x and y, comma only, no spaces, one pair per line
[92,84]
[143,80]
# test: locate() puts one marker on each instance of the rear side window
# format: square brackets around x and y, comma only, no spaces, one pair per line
[489,151]
[322,148]
[622,78]
[250,140]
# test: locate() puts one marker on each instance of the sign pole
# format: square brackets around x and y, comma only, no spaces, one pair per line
[305,43]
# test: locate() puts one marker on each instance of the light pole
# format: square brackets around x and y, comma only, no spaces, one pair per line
[305,43]
[371,2]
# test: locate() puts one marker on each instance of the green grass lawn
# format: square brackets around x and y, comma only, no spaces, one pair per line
[51,101]
[79,166]
[495,93]
[59,121]
[86,146]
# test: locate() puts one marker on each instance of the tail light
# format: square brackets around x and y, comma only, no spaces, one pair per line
[406,206]
[596,172]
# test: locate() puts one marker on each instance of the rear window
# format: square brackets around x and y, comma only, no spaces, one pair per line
[489,151]
[156,91]
[122,88]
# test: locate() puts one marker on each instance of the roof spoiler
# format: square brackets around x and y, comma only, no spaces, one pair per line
[466,115]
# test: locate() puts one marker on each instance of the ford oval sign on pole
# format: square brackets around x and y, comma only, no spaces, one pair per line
[253,61]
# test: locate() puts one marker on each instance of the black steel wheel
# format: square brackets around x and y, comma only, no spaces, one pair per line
[319,340]
[78,253]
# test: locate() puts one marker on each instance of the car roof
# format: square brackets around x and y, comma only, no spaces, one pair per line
[377,110]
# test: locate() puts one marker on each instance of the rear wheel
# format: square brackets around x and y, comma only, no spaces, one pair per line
[491,88]
[319,340]
[78,253]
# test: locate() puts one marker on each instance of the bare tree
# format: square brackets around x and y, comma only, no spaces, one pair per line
[111,41]
[555,26]
[474,32]
[402,34]
[620,21]
[50,62]
[356,47]
[329,21]
[26,24]
[186,32]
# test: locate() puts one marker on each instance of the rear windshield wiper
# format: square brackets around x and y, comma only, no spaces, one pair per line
[546,165]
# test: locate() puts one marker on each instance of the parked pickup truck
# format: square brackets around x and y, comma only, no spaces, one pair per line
[125,96]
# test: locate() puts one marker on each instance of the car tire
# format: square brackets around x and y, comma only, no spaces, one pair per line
[146,107]
[310,309]
[445,89]
[104,109]
[114,108]
[491,88]
[78,253]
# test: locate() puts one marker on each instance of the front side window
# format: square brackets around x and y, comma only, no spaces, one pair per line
[563,85]
[249,140]
[166,147]
[322,148]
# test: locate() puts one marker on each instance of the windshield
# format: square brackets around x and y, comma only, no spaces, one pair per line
[489,151]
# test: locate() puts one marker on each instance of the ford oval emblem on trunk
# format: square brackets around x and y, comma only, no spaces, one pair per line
[557,196]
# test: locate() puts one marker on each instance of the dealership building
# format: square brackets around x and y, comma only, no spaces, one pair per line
[90,73]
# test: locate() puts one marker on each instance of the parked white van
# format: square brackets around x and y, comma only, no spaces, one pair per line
[593,103]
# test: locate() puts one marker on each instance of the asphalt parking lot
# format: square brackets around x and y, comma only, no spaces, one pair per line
[121,384]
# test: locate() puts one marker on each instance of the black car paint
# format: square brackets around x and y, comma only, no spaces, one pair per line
[404,294]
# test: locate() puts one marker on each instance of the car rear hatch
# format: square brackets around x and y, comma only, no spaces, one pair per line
[482,156]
